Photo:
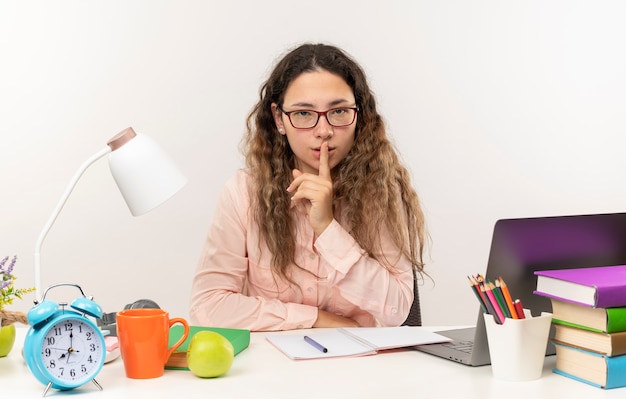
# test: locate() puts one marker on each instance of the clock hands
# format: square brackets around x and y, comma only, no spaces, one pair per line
[67,353]
[71,348]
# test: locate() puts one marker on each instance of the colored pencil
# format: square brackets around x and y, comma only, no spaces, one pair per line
[497,293]
[495,308]
[507,297]
[478,293]
[520,309]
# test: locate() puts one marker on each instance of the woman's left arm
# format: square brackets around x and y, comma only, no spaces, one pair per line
[386,294]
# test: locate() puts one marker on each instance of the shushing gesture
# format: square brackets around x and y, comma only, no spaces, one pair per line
[315,192]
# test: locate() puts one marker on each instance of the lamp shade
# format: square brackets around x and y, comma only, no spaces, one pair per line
[144,174]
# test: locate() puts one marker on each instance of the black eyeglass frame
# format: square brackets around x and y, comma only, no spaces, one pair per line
[320,114]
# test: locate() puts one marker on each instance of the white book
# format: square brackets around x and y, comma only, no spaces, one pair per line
[359,341]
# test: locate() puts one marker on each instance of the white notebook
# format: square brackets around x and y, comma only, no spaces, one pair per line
[351,341]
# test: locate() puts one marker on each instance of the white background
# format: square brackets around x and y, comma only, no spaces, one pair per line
[500,109]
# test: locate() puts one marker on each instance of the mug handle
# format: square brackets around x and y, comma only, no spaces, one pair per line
[182,338]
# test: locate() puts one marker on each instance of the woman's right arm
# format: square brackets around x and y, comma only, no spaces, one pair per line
[217,295]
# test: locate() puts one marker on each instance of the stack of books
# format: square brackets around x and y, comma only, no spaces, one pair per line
[589,317]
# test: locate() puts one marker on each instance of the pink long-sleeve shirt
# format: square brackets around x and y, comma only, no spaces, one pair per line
[234,285]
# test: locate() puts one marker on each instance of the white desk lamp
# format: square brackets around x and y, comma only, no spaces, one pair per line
[144,174]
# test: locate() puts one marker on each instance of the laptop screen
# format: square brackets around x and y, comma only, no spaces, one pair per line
[521,246]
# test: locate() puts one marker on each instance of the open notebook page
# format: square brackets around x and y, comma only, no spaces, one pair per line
[352,341]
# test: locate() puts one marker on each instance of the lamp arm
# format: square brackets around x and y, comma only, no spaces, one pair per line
[57,211]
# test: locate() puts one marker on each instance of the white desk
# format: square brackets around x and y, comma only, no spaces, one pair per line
[261,371]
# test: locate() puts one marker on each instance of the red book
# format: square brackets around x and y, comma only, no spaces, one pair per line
[597,287]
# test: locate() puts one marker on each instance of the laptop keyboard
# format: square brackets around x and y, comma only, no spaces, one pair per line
[463,346]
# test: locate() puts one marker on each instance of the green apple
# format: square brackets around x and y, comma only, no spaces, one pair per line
[209,354]
[7,338]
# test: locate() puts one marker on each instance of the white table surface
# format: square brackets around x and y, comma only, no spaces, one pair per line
[261,371]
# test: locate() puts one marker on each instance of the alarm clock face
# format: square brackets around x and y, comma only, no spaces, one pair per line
[72,351]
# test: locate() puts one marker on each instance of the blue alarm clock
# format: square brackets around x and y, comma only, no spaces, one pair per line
[63,348]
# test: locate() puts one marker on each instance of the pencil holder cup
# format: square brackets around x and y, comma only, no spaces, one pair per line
[518,346]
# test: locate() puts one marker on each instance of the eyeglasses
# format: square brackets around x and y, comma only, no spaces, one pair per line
[307,118]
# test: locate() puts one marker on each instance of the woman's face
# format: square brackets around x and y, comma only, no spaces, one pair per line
[316,91]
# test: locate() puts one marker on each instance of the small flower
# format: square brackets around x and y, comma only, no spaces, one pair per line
[8,292]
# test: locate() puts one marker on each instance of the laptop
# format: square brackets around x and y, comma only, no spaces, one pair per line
[521,246]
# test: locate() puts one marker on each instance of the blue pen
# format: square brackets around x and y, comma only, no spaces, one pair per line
[316,344]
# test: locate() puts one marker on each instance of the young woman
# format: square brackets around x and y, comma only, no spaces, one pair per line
[322,229]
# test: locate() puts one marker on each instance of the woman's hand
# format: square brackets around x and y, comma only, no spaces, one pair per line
[315,192]
[327,319]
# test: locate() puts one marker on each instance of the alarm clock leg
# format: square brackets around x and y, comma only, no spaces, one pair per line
[45,391]
[97,384]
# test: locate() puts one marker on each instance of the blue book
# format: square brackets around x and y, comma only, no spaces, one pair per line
[590,367]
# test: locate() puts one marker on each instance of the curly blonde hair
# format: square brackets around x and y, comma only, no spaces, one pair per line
[371,187]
